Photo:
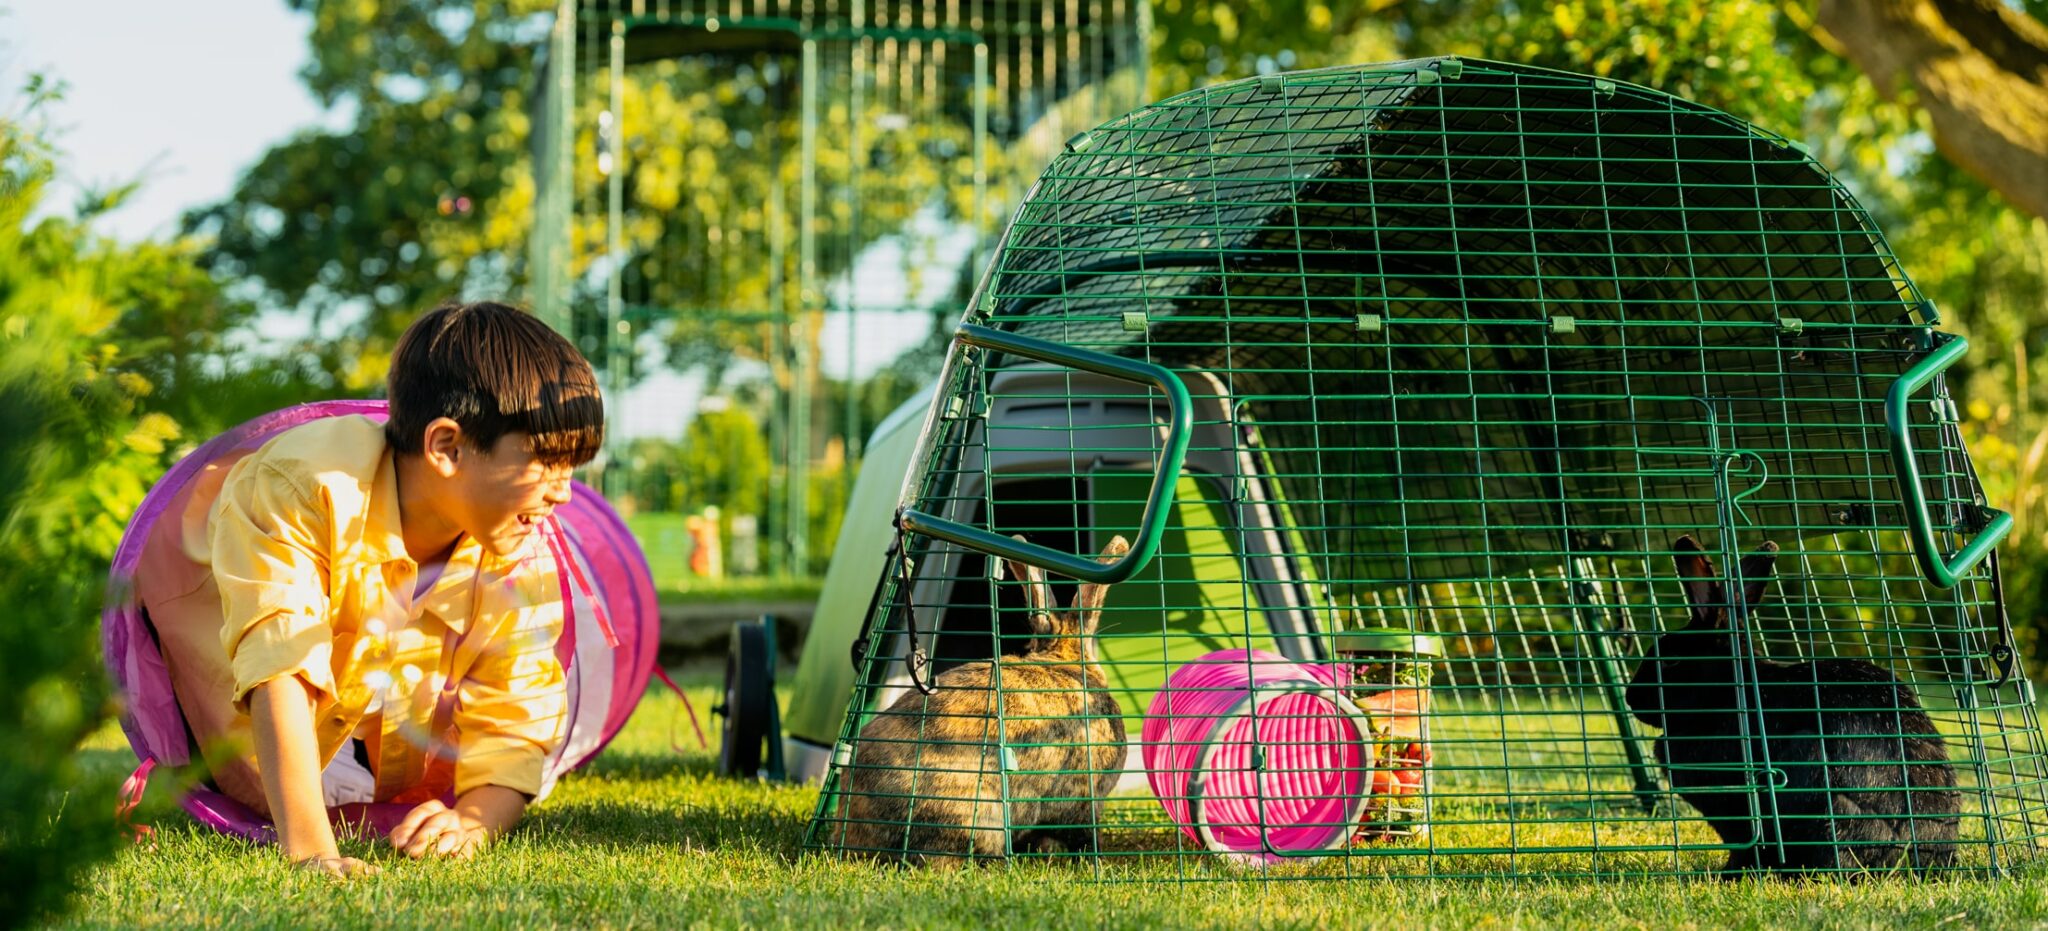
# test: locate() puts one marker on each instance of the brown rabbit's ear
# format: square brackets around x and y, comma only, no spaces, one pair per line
[1037,595]
[1757,569]
[1702,581]
[1088,602]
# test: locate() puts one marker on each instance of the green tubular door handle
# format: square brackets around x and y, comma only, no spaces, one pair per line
[1150,527]
[1943,572]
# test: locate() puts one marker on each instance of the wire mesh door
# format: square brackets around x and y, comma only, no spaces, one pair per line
[1465,469]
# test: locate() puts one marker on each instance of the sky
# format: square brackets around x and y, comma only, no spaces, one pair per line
[185,96]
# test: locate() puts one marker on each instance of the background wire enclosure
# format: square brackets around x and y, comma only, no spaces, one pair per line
[1469,346]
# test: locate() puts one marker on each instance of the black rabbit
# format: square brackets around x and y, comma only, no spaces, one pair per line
[1866,780]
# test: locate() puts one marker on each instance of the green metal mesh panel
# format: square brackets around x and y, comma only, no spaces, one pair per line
[1471,346]
[723,177]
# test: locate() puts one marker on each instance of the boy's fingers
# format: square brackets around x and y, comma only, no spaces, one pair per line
[435,833]
[403,833]
[339,867]
[429,831]
[353,867]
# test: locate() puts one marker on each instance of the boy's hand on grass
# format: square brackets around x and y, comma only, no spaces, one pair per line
[435,830]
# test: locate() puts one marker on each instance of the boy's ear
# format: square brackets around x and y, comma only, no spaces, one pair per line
[442,446]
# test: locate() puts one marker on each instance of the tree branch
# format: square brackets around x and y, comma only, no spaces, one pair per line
[1980,70]
[2011,39]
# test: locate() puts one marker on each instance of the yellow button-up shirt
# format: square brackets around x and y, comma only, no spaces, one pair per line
[314,580]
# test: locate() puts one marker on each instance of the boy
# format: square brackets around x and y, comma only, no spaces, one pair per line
[373,607]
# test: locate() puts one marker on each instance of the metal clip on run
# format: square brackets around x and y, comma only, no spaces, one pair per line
[918,661]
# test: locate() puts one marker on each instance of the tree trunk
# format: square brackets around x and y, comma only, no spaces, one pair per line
[1980,69]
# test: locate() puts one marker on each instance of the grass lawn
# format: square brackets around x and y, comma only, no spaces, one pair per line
[648,837]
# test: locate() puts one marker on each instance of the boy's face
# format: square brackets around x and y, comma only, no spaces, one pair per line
[502,496]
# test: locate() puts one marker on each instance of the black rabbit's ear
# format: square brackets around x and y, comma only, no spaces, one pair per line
[1757,569]
[1702,581]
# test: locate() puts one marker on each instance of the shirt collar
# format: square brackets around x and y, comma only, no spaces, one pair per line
[383,537]
[451,596]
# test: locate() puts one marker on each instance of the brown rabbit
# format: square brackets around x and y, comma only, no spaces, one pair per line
[927,781]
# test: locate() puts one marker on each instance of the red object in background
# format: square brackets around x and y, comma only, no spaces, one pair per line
[705,559]
[1405,777]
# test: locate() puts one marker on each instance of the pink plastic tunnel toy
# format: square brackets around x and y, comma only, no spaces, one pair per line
[1257,757]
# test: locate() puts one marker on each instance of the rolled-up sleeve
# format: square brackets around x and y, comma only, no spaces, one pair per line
[512,706]
[268,541]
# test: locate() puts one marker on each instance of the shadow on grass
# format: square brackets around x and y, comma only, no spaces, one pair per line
[628,765]
[678,801]
[754,828]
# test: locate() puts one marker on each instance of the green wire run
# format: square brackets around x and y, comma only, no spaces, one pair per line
[1551,373]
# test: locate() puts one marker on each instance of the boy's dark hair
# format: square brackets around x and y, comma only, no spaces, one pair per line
[494,369]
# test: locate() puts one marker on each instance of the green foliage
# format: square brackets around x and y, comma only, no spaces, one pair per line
[1728,54]
[430,192]
[74,453]
[114,359]
[646,475]
[55,822]
[1196,42]
[713,167]
[723,460]
[874,398]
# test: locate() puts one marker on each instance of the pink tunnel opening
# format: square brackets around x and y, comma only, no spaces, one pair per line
[1261,754]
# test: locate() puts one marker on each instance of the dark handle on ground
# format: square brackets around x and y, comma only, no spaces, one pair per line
[1942,571]
[1179,424]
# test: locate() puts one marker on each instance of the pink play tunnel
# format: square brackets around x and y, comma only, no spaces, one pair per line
[1258,757]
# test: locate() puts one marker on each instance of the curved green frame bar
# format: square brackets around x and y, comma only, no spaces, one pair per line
[1942,571]
[1151,526]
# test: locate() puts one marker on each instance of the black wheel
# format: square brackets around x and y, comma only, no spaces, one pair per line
[749,690]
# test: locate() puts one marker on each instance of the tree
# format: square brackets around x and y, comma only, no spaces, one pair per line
[430,193]
[1978,68]
[425,196]
[1194,42]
